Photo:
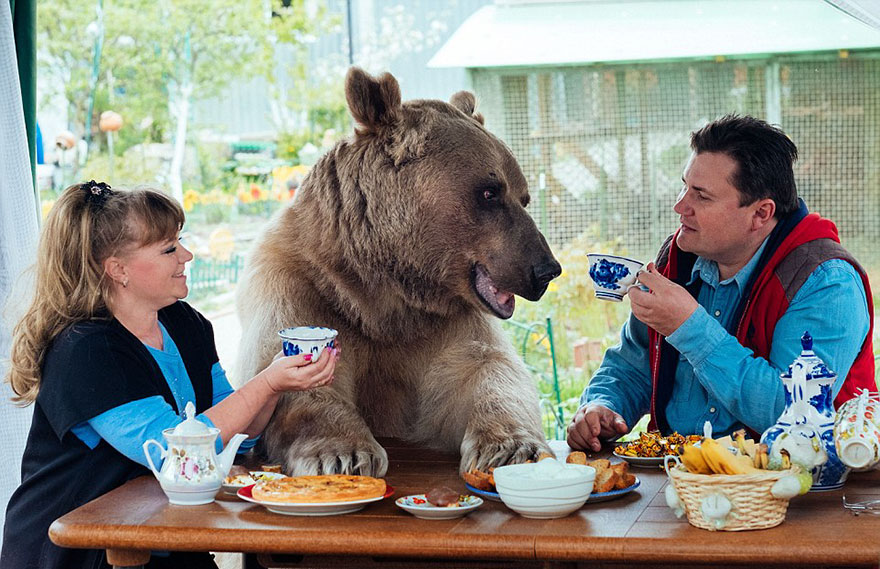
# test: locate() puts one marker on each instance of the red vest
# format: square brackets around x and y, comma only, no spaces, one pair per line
[812,241]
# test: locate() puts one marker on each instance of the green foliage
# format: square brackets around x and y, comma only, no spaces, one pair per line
[126,173]
[213,173]
[576,314]
[570,301]
[140,57]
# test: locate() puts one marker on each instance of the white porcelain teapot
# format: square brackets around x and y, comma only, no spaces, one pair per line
[192,471]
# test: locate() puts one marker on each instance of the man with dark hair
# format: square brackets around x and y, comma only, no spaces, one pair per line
[748,271]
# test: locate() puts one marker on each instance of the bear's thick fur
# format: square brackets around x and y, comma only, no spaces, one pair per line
[410,238]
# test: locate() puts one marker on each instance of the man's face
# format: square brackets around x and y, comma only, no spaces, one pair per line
[713,224]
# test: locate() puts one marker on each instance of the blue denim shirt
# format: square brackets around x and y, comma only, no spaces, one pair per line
[719,380]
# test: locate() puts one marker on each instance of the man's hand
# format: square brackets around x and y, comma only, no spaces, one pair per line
[666,307]
[592,422]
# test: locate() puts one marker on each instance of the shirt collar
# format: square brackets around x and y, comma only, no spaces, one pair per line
[708,270]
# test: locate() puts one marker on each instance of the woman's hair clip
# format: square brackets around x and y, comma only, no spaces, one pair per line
[97,192]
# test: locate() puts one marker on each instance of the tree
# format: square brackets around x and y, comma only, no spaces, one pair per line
[159,55]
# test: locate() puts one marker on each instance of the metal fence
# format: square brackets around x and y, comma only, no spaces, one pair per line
[534,342]
[207,274]
[604,146]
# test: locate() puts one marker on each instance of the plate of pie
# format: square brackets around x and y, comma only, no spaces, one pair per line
[321,495]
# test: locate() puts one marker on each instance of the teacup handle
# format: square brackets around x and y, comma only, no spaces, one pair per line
[163,452]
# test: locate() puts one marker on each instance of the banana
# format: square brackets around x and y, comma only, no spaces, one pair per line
[740,438]
[762,457]
[707,450]
[786,459]
[692,457]
[722,461]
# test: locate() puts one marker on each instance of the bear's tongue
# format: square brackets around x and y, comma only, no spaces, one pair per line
[501,302]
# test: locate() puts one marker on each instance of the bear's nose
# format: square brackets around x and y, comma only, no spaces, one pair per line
[546,272]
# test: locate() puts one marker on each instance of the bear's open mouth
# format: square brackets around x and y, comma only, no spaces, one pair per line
[501,302]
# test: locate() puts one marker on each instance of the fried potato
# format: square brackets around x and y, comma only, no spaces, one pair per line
[480,480]
[624,478]
[625,481]
[270,467]
[576,457]
[544,455]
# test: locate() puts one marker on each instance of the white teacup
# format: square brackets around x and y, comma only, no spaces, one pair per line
[612,275]
[857,431]
[307,340]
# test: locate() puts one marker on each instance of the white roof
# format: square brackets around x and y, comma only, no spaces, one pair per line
[566,33]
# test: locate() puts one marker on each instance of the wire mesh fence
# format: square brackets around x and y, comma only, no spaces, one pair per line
[603,146]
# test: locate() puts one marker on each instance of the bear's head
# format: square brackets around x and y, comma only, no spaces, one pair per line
[431,206]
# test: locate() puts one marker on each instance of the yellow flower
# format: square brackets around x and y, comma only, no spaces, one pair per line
[190,198]
[45,206]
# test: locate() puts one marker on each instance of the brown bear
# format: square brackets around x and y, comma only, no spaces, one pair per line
[410,238]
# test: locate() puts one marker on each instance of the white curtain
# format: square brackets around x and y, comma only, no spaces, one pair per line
[867,11]
[18,243]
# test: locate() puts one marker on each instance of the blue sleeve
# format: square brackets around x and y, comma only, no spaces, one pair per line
[831,305]
[128,426]
[221,390]
[221,386]
[623,381]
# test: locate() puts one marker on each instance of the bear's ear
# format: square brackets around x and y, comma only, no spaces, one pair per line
[465,102]
[373,102]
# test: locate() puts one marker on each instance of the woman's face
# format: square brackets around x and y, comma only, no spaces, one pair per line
[155,272]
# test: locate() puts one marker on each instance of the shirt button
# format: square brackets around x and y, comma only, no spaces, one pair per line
[717,313]
[711,409]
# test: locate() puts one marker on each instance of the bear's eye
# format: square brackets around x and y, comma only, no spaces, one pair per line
[489,194]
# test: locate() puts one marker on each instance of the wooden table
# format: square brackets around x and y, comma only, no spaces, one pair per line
[637,528]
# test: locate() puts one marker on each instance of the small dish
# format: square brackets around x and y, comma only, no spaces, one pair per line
[312,509]
[419,506]
[613,494]
[251,478]
[487,494]
[642,461]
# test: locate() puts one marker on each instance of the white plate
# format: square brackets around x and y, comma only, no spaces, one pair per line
[234,488]
[642,461]
[312,509]
[418,505]
[612,494]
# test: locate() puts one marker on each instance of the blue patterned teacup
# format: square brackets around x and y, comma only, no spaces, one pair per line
[612,275]
[307,340]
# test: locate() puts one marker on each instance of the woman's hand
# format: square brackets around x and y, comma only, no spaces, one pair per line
[298,373]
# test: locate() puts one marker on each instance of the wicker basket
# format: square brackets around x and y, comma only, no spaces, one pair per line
[751,504]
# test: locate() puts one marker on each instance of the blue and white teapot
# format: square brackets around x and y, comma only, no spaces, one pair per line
[806,427]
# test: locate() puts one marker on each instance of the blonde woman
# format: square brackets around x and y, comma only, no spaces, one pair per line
[109,355]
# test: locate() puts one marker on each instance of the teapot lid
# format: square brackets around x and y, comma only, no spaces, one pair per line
[809,361]
[190,425]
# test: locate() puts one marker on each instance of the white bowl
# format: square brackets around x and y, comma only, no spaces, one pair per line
[306,340]
[190,495]
[528,491]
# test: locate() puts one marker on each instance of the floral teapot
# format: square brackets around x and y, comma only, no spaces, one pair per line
[805,427]
[192,471]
